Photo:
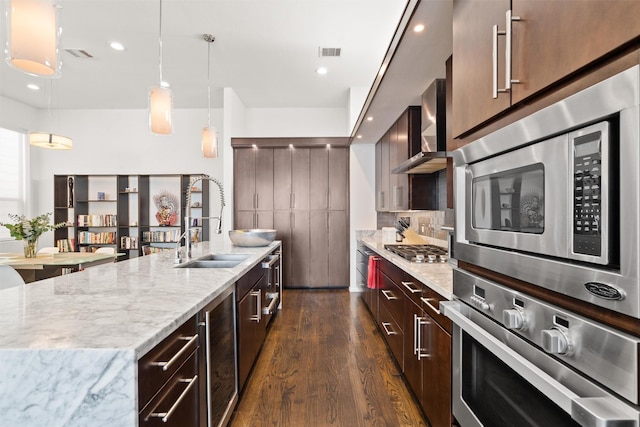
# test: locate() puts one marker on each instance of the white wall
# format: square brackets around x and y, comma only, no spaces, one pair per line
[295,122]
[234,125]
[17,116]
[357,97]
[119,142]
[362,215]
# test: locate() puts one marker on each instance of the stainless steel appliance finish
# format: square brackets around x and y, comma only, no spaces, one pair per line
[433,154]
[520,361]
[420,253]
[553,199]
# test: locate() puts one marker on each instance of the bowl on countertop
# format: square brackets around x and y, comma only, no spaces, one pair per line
[252,237]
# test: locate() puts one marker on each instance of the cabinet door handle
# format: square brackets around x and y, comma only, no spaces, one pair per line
[431,306]
[386,325]
[257,200]
[174,359]
[166,415]
[258,294]
[411,287]
[494,50]
[507,63]
[386,293]
[418,323]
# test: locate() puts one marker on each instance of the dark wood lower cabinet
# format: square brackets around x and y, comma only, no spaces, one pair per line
[419,338]
[177,403]
[436,373]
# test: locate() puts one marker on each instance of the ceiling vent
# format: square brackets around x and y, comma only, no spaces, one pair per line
[79,53]
[329,51]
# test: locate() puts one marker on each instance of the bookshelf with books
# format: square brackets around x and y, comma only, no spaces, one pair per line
[96,208]
[134,214]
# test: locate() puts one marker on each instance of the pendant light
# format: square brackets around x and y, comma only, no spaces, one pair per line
[160,99]
[209,134]
[33,37]
[50,140]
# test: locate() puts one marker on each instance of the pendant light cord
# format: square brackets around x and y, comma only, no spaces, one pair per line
[209,84]
[160,43]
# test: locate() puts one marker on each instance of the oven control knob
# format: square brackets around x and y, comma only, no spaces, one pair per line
[556,341]
[513,319]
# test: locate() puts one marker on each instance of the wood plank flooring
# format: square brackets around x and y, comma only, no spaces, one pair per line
[325,364]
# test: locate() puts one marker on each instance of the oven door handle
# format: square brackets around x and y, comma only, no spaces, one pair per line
[587,411]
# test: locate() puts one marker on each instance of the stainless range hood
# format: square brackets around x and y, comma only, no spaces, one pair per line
[433,154]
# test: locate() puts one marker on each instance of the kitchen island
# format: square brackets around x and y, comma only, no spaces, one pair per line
[70,345]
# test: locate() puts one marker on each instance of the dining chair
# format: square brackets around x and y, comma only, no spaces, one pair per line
[48,250]
[105,251]
[9,277]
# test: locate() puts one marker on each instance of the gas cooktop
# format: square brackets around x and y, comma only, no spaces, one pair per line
[420,253]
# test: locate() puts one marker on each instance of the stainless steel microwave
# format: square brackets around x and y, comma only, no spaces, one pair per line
[554,199]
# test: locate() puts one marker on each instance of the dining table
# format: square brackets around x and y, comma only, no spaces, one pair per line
[48,265]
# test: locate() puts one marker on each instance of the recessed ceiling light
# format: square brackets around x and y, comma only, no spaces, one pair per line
[165,84]
[116,46]
[322,71]
[418,28]
[33,86]
[369,118]
[359,136]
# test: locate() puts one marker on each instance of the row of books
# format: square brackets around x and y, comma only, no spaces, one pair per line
[146,250]
[66,245]
[85,237]
[161,236]
[97,220]
[129,242]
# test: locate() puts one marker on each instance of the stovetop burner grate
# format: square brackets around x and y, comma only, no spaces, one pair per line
[420,253]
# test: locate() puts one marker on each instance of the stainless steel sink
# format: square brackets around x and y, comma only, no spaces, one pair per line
[223,257]
[215,261]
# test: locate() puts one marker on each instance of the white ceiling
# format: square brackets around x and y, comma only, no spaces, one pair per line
[266,50]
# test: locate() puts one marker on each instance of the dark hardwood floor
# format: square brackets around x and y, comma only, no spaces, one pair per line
[325,364]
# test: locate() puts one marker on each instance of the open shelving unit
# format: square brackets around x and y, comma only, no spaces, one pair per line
[123,216]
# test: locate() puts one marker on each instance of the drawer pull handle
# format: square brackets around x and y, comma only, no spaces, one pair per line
[165,415]
[431,306]
[386,325]
[386,293]
[274,301]
[411,287]
[258,316]
[174,359]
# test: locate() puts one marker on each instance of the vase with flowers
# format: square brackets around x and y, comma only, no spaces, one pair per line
[29,230]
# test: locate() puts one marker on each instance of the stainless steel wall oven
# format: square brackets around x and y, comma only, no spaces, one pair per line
[550,205]
[554,199]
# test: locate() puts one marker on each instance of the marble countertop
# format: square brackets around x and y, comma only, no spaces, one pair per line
[437,276]
[69,345]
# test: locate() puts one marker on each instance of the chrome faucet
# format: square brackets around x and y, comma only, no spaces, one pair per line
[177,259]
[187,218]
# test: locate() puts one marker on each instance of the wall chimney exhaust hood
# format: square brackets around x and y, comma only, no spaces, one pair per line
[433,154]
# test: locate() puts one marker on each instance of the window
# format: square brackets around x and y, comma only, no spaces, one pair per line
[13,176]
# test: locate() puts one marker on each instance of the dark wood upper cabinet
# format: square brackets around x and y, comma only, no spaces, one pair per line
[554,38]
[550,41]
[473,22]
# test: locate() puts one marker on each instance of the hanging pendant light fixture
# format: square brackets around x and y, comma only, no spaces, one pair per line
[50,140]
[209,134]
[33,37]
[160,99]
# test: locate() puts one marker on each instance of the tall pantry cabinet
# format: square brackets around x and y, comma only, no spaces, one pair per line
[310,207]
